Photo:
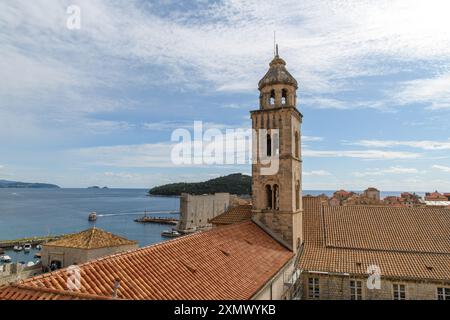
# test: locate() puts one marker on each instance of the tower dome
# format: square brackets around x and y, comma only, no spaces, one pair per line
[277,74]
[278,87]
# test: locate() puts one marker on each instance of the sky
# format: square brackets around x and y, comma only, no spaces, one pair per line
[98,105]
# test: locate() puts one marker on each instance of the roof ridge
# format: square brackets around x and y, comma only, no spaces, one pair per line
[387,250]
[62,292]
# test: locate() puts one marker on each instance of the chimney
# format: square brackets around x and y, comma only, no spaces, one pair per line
[116,288]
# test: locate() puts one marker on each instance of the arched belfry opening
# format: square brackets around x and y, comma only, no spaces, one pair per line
[284,97]
[272,97]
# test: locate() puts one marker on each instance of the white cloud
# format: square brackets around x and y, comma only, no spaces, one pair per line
[432,91]
[387,171]
[442,168]
[317,173]
[424,144]
[361,154]
[311,139]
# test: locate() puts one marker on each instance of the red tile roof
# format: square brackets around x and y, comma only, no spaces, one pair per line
[410,243]
[232,262]
[233,215]
[93,238]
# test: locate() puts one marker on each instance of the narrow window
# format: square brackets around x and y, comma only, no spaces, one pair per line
[269,145]
[443,293]
[284,96]
[399,291]
[297,145]
[297,195]
[355,290]
[313,288]
[269,197]
[276,191]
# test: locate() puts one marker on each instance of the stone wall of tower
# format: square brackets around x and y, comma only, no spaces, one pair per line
[286,221]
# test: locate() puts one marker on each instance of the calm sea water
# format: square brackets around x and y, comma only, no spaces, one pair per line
[39,212]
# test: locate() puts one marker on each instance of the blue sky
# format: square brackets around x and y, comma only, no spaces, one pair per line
[97,106]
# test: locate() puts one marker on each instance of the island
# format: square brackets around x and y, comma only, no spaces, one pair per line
[236,183]
[32,185]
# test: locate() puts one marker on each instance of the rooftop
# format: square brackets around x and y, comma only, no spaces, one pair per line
[93,238]
[232,262]
[404,242]
[233,215]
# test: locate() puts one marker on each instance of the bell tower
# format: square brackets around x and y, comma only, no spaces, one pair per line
[276,168]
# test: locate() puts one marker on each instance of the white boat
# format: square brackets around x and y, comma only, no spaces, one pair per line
[92,216]
[6,259]
[27,247]
[170,234]
[39,247]
[17,248]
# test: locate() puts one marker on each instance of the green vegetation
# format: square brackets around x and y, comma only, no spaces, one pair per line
[234,183]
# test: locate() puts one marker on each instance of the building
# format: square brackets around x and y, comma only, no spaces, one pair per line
[284,247]
[435,196]
[346,246]
[372,193]
[83,247]
[197,210]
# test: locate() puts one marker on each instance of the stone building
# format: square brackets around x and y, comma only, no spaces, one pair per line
[197,210]
[283,247]
[372,193]
[82,247]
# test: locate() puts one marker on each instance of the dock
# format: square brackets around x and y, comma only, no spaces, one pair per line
[9,244]
[147,219]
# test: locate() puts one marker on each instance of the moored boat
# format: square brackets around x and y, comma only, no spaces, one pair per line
[27,247]
[170,234]
[5,259]
[38,255]
[17,248]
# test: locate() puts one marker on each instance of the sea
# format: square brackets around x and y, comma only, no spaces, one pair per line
[42,212]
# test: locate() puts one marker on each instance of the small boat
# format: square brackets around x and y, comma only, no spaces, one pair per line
[170,234]
[38,255]
[27,247]
[6,259]
[17,248]
[39,247]
[92,216]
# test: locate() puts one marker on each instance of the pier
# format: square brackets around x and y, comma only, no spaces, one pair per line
[9,244]
[159,220]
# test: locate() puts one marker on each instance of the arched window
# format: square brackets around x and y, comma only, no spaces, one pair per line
[297,195]
[269,145]
[272,97]
[284,95]
[268,197]
[297,144]
[276,192]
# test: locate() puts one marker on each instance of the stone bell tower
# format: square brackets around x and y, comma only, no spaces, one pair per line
[276,168]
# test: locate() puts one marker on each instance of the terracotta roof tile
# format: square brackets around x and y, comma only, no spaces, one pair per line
[403,242]
[233,215]
[189,267]
[92,238]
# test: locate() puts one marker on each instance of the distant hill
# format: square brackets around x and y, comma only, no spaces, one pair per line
[234,183]
[16,184]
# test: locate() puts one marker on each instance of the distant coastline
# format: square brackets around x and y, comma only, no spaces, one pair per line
[26,185]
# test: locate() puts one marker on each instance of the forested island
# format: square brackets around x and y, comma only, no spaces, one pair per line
[236,183]
[33,185]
